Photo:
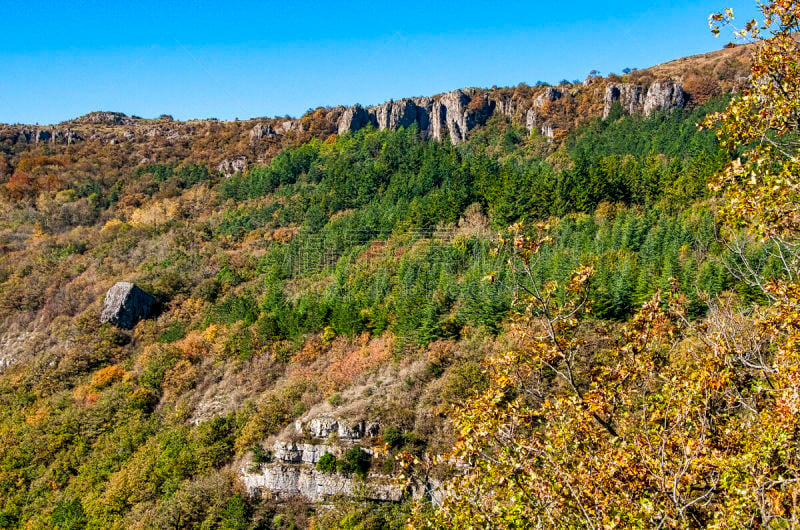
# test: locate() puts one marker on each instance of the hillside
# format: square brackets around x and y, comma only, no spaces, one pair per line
[327,289]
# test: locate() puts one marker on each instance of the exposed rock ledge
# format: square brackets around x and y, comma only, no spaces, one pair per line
[287,481]
[324,426]
[454,114]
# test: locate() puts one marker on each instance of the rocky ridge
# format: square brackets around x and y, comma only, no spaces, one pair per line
[549,111]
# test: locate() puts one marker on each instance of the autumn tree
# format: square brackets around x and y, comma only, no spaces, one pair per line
[666,422]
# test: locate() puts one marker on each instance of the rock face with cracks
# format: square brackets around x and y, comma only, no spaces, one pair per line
[126,304]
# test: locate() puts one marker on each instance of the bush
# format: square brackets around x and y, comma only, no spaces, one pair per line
[326,463]
[174,332]
[261,455]
[355,460]
[394,436]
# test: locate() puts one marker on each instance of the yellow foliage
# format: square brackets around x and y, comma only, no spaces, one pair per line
[108,375]
[37,416]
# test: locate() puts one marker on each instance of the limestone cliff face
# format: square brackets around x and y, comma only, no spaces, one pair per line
[455,114]
[292,470]
[287,480]
[664,95]
[661,95]
[451,115]
[395,114]
[44,135]
[353,119]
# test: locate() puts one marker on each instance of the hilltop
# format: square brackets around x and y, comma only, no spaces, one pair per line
[552,111]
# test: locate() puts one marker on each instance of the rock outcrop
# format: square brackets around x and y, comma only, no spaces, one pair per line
[353,119]
[292,470]
[630,97]
[48,135]
[393,115]
[662,95]
[453,114]
[231,166]
[325,426]
[106,118]
[287,481]
[550,94]
[260,131]
[126,304]
[294,453]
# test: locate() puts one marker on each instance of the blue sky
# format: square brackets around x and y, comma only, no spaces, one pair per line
[59,60]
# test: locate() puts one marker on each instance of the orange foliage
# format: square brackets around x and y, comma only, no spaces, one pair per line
[29,163]
[84,395]
[339,364]
[193,346]
[37,416]
[108,375]
[701,88]
[19,185]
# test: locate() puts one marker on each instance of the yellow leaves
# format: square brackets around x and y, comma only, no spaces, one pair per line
[210,333]
[108,375]
[113,225]
[37,416]
[580,278]
[156,213]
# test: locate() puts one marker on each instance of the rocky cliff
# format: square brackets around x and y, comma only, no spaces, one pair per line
[293,469]
[636,99]
[450,115]
[454,114]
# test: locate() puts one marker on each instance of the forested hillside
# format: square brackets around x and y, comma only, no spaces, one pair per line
[377,279]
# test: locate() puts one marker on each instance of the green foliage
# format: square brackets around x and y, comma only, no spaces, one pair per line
[68,515]
[261,455]
[326,463]
[395,437]
[236,308]
[356,461]
[174,332]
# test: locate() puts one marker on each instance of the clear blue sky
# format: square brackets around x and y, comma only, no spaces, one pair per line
[59,60]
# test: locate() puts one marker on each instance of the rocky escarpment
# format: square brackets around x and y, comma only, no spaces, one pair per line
[635,99]
[455,114]
[291,480]
[451,115]
[293,467]
[43,135]
[549,111]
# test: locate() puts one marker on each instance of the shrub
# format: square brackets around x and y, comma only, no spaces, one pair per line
[326,463]
[174,332]
[105,376]
[394,436]
[355,460]
[261,455]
